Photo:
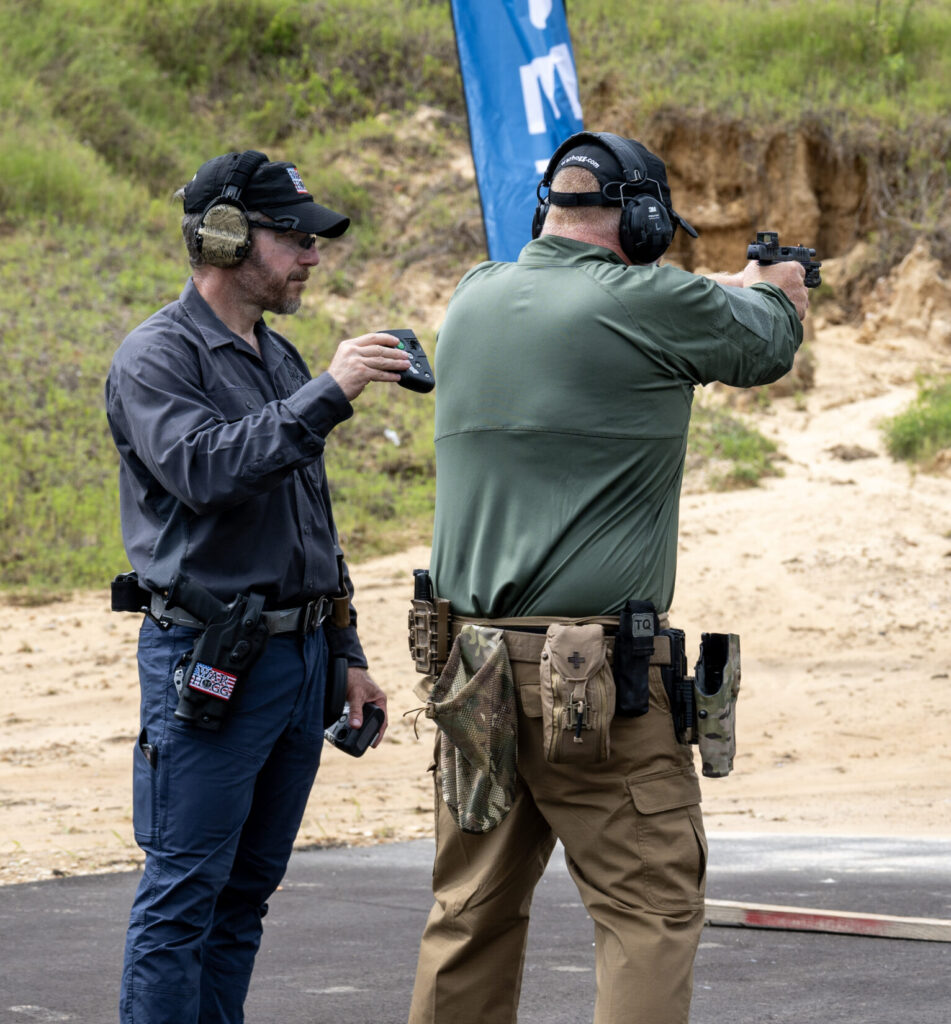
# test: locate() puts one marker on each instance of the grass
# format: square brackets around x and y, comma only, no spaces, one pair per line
[869,59]
[921,431]
[730,454]
[105,109]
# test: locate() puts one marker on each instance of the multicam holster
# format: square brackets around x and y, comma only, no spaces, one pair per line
[473,704]
[716,686]
[577,694]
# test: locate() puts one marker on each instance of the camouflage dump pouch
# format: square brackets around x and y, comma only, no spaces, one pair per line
[577,694]
[716,686]
[473,704]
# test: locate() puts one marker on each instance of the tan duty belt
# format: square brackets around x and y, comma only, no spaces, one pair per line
[525,637]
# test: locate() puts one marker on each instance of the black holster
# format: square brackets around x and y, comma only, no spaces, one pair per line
[679,688]
[210,675]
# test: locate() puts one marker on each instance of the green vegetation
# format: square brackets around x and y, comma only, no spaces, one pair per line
[731,454]
[885,61]
[923,429]
[105,109]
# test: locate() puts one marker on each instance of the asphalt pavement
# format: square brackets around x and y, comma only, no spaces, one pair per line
[341,937]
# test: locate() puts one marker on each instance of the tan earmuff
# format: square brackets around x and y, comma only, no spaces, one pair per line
[223,235]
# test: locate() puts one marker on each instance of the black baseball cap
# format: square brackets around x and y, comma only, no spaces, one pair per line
[596,159]
[601,158]
[274,188]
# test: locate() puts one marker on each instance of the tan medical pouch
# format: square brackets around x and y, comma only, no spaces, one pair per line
[577,694]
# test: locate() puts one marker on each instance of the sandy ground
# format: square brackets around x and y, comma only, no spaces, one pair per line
[837,576]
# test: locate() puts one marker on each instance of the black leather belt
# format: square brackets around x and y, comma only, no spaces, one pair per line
[306,618]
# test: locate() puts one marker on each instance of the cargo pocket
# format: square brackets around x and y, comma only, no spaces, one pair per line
[145,798]
[670,839]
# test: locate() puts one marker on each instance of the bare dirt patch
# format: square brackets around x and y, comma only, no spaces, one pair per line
[837,576]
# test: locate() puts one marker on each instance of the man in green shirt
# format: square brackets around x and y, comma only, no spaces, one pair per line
[565,387]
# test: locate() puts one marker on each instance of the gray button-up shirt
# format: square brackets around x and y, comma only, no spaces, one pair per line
[222,472]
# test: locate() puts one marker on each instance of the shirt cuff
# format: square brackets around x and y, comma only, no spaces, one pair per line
[320,404]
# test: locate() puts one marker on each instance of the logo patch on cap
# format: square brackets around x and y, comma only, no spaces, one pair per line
[578,158]
[296,179]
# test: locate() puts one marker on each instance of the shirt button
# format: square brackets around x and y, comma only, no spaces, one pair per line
[307,530]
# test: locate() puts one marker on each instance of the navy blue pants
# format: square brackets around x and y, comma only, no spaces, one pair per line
[216,814]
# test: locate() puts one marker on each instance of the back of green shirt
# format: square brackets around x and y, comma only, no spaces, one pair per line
[565,382]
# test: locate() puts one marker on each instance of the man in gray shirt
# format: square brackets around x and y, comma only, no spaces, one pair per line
[221,432]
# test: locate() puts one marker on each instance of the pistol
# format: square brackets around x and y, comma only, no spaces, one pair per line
[767,250]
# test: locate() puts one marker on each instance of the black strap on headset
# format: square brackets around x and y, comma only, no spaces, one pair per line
[242,172]
[579,199]
[635,171]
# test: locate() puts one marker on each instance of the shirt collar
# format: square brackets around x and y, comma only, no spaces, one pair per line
[213,331]
[565,252]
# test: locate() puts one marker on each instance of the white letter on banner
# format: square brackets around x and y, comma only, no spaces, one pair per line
[538,11]
[539,76]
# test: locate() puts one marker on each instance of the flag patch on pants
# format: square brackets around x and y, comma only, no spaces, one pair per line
[213,681]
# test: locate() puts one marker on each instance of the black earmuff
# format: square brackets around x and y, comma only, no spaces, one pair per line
[646,230]
[645,233]
[223,235]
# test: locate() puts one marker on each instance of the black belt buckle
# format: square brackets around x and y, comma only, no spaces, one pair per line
[313,614]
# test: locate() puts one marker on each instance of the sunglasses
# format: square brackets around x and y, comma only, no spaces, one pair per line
[305,241]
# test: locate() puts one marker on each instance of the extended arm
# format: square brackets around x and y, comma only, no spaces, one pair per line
[789,277]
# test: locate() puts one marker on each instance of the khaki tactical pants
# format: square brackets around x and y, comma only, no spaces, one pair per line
[635,847]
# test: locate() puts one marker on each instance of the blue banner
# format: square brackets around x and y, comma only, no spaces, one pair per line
[521,89]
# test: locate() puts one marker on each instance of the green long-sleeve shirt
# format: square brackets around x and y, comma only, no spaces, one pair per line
[564,387]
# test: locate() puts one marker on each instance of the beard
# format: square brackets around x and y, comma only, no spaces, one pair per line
[268,289]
